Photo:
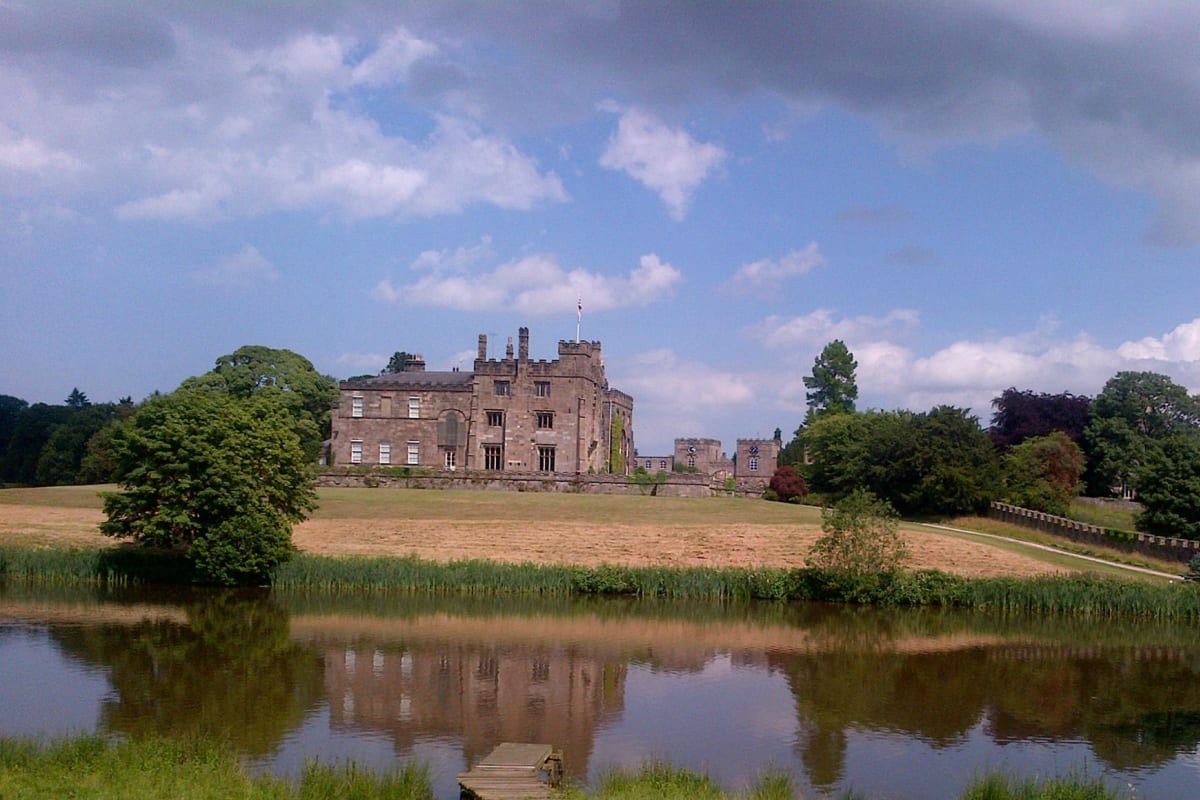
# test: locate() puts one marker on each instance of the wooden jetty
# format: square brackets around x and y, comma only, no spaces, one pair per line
[514,771]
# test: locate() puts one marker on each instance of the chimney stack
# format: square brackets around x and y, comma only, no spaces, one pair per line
[482,347]
[523,344]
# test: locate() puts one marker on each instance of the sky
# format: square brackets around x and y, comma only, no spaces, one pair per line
[971,194]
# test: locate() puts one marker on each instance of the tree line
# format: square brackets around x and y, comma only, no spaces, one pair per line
[1138,438]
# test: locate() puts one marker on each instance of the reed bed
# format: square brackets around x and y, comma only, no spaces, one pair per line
[1087,596]
[117,566]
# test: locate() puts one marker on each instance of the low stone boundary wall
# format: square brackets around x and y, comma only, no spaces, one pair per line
[1182,550]
[676,485]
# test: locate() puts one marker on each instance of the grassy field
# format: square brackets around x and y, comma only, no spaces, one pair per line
[1021,533]
[577,529]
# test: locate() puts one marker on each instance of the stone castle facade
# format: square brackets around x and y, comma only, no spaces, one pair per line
[507,415]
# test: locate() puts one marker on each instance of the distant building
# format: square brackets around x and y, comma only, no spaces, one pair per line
[754,458]
[510,414]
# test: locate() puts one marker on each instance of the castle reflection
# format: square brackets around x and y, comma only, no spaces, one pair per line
[479,694]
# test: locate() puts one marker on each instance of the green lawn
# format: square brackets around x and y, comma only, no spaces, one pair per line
[561,507]
[1106,515]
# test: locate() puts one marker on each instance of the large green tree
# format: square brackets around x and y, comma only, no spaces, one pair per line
[61,458]
[1169,488]
[289,377]
[10,410]
[1044,473]
[33,428]
[218,477]
[1130,419]
[832,389]
[396,363]
[940,462]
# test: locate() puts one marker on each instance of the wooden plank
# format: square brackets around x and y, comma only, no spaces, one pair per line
[512,771]
[517,754]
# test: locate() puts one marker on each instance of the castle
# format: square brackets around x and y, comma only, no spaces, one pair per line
[511,414]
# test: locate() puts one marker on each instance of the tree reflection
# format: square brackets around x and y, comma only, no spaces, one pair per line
[232,672]
[1113,698]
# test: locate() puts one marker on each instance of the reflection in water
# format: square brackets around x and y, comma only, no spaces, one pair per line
[230,671]
[836,695]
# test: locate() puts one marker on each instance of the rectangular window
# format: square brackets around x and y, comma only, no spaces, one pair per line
[414,407]
[541,388]
[546,459]
[662,464]
[356,451]
[754,463]
[356,406]
[503,388]
[691,462]
[450,459]
[495,419]
[493,457]
[414,453]
[385,452]
[545,420]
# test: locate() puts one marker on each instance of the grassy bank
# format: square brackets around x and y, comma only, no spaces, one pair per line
[1079,594]
[161,769]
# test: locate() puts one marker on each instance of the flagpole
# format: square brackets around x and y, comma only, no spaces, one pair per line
[578,318]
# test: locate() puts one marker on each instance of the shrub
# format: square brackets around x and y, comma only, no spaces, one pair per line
[787,485]
[861,537]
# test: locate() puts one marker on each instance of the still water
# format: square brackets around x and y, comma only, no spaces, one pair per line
[894,704]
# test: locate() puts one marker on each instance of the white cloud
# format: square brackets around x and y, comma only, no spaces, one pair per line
[659,378]
[971,372]
[534,285]
[28,155]
[247,267]
[391,61]
[821,326]
[666,160]
[1180,344]
[222,130]
[768,274]
[457,260]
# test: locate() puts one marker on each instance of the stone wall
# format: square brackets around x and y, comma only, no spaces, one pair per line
[1182,550]
[676,485]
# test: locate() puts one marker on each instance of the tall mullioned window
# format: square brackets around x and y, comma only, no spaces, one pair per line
[754,463]
[541,388]
[546,459]
[493,457]
[495,419]
[545,419]
[503,388]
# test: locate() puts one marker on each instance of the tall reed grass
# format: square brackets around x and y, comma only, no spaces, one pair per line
[117,566]
[1077,595]
[165,769]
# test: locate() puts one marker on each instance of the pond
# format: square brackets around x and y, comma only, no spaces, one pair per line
[892,703]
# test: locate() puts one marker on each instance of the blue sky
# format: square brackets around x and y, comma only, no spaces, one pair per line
[972,195]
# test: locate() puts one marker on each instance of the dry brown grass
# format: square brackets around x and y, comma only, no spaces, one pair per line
[544,529]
